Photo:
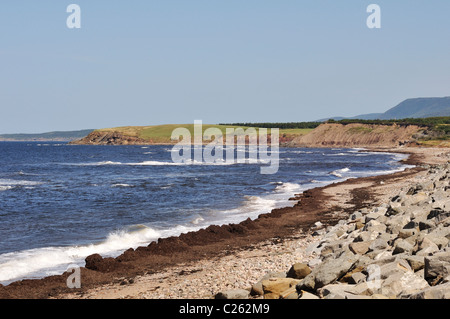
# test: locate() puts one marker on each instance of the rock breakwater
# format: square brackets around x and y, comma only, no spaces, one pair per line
[399,249]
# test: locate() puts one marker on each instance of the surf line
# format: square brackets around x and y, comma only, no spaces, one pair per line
[235,139]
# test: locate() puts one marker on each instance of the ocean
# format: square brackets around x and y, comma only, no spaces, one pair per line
[60,203]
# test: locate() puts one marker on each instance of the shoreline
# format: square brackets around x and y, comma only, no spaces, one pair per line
[216,242]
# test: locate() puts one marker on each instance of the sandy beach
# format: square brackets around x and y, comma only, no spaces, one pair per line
[204,263]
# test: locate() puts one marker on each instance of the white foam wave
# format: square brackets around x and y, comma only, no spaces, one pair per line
[4,188]
[40,262]
[121,185]
[12,182]
[301,152]
[197,220]
[337,154]
[288,187]
[338,173]
[7,184]
[98,163]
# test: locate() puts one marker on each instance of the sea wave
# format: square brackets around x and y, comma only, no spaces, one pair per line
[40,262]
[7,184]
[338,173]
[166,163]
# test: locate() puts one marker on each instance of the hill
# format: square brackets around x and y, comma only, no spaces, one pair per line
[49,136]
[161,134]
[410,108]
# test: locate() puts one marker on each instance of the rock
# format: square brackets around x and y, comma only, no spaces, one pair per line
[426,247]
[274,287]
[436,292]
[359,225]
[299,271]
[402,246]
[405,233]
[344,291]
[308,283]
[372,216]
[290,293]
[360,248]
[411,225]
[426,224]
[306,295]
[335,291]
[438,214]
[366,236]
[379,243]
[391,268]
[375,226]
[314,262]
[437,266]
[441,242]
[348,277]
[333,269]
[313,248]
[355,216]
[402,284]
[257,288]
[356,278]
[416,262]
[233,294]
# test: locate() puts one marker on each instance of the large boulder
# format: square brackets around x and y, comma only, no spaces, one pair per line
[437,266]
[274,287]
[332,270]
[299,271]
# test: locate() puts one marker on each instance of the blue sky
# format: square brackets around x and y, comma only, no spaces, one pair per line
[147,62]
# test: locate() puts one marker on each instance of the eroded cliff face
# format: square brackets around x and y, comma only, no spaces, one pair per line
[110,138]
[325,135]
[357,135]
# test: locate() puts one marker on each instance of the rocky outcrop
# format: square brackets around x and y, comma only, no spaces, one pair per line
[357,135]
[110,138]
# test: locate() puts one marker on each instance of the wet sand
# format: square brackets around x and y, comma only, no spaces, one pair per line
[200,264]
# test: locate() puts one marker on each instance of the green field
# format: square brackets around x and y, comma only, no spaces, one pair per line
[162,133]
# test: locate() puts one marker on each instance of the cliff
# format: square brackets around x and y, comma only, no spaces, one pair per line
[325,135]
[357,135]
[110,138]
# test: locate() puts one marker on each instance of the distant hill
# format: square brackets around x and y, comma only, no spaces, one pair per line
[161,134]
[49,136]
[410,108]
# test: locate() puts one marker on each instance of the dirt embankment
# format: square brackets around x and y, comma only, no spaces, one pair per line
[357,135]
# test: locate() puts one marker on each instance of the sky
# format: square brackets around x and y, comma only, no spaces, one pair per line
[150,62]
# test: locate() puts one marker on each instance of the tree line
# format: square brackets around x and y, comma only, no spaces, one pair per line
[439,123]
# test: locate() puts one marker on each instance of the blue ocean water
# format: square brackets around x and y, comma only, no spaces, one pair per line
[60,203]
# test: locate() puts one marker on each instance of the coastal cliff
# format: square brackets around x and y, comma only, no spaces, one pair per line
[325,135]
[358,135]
